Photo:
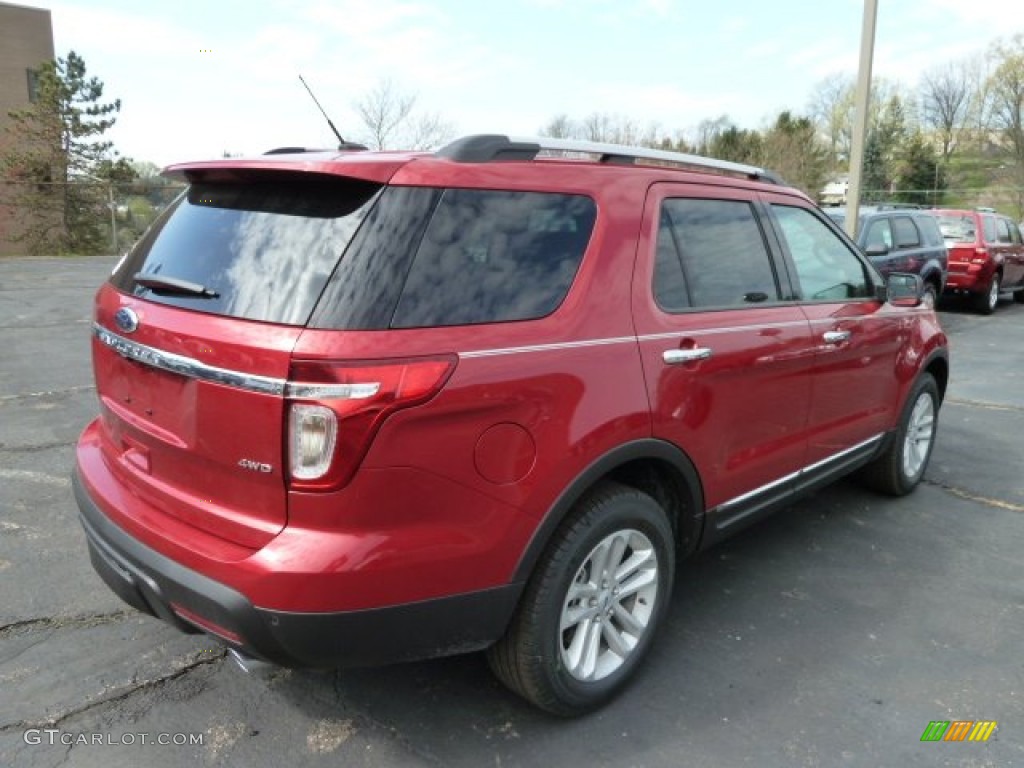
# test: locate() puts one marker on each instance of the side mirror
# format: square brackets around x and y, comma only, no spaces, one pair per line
[877,249]
[903,289]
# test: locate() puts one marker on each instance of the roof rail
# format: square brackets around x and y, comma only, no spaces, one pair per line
[347,146]
[487,148]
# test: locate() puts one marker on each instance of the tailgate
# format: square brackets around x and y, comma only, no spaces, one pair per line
[192,343]
[192,415]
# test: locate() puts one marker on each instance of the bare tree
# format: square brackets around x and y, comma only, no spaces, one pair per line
[708,131]
[1008,103]
[946,97]
[831,107]
[390,120]
[560,127]
[979,119]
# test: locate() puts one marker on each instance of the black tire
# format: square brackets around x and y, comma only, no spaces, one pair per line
[1018,296]
[987,301]
[930,295]
[531,657]
[899,469]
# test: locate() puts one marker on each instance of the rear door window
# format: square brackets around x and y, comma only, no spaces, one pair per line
[905,232]
[711,253]
[262,249]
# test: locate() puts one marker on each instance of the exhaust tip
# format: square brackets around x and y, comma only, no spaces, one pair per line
[248,664]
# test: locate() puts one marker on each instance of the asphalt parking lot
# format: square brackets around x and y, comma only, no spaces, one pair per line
[830,635]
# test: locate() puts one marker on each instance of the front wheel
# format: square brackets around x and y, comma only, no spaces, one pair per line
[593,604]
[900,468]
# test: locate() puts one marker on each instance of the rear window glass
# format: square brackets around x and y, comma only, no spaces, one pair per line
[957,228]
[263,249]
[495,256]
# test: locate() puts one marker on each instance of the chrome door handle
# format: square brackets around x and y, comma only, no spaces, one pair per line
[836,337]
[677,356]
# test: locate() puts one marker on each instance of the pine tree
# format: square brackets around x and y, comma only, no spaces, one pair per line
[918,176]
[55,145]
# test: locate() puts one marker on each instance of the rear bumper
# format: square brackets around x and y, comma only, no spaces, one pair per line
[192,602]
[961,279]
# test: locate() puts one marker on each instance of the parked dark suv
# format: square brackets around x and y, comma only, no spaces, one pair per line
[360,407]
[902,239]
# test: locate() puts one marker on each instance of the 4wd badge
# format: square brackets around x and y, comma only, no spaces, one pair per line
[255,466]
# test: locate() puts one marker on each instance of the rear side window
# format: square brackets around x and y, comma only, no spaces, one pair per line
[1003,231]
[263,249]
[988,225]
[495,256]
[929,227]
[711,253]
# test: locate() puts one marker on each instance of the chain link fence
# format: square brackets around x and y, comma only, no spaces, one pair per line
[81,217]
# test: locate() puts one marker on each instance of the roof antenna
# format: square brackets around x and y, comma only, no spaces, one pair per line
[342,144]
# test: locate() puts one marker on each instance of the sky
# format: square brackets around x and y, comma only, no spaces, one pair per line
[198,78]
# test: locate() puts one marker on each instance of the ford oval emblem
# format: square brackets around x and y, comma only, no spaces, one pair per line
[126,319]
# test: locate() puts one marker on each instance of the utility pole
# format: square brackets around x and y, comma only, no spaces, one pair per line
[860,120]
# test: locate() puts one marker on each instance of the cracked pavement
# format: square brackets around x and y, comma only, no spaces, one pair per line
[828,635]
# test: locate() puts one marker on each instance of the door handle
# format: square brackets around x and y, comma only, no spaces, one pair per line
[677,356]
[836,337]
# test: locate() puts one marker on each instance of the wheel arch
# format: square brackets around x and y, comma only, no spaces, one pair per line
[653,466]
[938,366]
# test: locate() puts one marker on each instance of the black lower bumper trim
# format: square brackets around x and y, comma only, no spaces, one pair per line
[151,582]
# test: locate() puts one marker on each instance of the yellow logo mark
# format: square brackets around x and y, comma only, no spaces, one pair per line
[982,730]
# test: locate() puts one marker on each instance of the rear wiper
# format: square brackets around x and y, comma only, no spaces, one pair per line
[162,284]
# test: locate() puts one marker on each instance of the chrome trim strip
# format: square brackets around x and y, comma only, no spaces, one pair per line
[563,345]
[554,347]
[796,475]
[852,449]
[187,366]
[307,391]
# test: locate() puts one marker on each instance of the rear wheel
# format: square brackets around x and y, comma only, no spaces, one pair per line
[593,604]
[929,296]
[1018,296]
[987,301]
[898,471]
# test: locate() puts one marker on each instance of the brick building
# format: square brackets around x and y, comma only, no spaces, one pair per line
[26,41]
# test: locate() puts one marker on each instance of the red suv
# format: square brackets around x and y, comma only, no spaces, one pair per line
[362,407]
[986,255]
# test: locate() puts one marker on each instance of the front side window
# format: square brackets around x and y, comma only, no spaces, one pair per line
[826,269]
[721,254]
[879,233]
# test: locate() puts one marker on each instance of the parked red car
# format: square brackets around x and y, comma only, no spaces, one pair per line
[361,407]
[986,256]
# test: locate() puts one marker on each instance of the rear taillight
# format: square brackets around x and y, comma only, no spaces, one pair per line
[336,408]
